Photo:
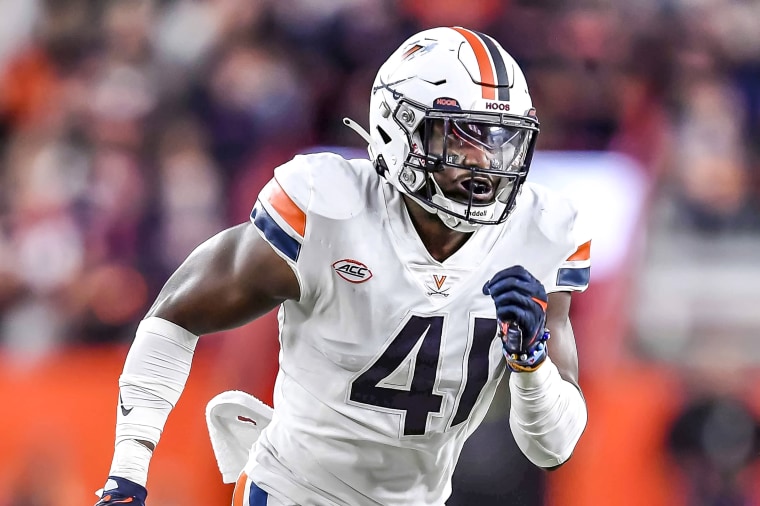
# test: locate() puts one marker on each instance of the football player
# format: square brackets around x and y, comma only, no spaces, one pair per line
[408,285]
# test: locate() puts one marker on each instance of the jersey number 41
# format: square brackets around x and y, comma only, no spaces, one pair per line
[420,399]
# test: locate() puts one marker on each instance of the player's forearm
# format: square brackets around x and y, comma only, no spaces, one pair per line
[547,415]
[152,381]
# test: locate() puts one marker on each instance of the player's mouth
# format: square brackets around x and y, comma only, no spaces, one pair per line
[481,188]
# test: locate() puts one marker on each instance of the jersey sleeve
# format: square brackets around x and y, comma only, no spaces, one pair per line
[306,202]
[280,211]
[574,273]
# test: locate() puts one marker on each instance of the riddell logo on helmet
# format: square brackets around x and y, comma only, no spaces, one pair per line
[497,106]
[446,103]
[478,213]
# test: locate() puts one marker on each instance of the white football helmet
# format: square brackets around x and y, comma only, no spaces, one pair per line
[452,98]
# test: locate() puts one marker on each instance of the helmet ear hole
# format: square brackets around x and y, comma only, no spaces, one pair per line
[384,135]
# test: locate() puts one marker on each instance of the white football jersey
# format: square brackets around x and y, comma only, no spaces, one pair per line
[389,360]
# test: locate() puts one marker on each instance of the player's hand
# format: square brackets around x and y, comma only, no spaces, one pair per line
[521,302]
[118,491]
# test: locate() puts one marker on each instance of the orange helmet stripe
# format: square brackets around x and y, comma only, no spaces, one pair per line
[485,66]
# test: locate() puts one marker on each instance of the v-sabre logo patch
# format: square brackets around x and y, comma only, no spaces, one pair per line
[352,271]
[439,290]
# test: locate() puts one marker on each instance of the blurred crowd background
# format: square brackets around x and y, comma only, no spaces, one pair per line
[131,130]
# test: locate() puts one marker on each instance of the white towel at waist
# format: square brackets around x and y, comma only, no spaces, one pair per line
[235,419]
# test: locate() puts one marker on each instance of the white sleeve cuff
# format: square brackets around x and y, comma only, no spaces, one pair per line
[547,415]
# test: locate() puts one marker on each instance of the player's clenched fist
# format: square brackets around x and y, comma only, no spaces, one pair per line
[521,302]
[119,491]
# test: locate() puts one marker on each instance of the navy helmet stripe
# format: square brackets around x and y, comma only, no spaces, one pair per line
[502,79]
[276,236]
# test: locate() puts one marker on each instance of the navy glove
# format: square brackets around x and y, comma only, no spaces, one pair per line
[521,302]
[122,491]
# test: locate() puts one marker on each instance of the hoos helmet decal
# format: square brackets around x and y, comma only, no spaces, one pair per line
[451,99]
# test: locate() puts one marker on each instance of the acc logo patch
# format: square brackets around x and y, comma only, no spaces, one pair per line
[352,271]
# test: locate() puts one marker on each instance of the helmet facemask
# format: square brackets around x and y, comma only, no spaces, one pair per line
[490,154]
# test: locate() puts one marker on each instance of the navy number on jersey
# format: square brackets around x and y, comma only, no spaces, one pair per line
[417,399]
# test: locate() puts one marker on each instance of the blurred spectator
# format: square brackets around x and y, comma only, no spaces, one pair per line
[711,164]
[714,441]
[191,198]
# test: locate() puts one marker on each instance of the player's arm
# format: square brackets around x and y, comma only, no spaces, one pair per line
[562,348]
[548,413]
[227,281]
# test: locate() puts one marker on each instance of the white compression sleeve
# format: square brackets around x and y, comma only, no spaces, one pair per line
[154,375]
[547,416]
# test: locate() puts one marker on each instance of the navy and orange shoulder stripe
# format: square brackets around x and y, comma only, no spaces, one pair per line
[280,220]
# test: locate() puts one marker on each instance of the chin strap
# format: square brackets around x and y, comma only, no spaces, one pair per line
[356,127]
[449,220]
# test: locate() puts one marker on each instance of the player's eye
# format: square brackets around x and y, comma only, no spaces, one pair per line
[453,141]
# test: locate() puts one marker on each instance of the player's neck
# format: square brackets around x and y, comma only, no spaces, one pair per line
[439,240]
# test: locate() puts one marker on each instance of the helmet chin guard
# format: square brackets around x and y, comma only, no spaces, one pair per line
[452,125]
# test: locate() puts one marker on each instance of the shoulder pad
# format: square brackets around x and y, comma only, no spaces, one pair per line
[327,184]
[556,217]
[553,214]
